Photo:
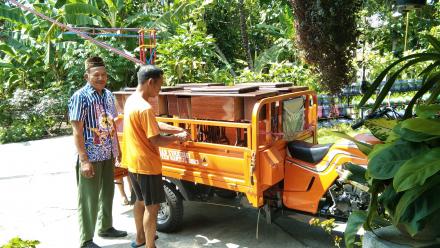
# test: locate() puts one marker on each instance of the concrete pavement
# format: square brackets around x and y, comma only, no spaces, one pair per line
[38,201]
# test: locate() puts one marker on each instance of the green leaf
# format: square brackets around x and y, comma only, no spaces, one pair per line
[417,205]
[50,54]
[357,173]
[13,15]
[363,147]
[387,87]
[425,73]
[415,194]
[354,223]
[111,5]
[83,9]
[434,42]
[429,84]
[60,3]
[7,50]
[421,125]
[427,111]
[381,128]
[81,20]
[50,33]
[386,159]
[435,92]
[389,199]
[415,171]
[6,65]
[410,135]
[268,56]
[376,187]
[376,83]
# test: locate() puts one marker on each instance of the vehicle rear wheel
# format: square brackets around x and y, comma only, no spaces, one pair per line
[170,215]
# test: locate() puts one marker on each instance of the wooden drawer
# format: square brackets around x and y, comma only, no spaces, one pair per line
[159,104]
[179,106]
[225,108]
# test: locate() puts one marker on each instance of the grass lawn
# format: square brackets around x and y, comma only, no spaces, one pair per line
[326,136]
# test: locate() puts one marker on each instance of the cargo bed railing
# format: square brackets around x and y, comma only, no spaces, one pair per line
[192,126]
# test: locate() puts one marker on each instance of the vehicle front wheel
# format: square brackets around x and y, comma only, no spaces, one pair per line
[170,215]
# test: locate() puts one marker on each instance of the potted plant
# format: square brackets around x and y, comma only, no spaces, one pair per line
[404,178]
[403,173]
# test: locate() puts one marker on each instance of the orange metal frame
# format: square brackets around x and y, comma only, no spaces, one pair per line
[251,169]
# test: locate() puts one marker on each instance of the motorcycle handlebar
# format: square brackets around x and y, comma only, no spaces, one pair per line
[376,114]
[358,124]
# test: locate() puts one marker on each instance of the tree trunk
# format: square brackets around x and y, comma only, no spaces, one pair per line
[244,35]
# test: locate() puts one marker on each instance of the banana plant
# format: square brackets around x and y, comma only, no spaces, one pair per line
[431,77]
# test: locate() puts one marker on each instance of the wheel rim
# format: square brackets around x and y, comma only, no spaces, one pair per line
[164,213]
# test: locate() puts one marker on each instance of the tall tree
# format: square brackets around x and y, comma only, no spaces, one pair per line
[244,34]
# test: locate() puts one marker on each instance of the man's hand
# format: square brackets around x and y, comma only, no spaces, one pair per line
[87,169]
[183,136]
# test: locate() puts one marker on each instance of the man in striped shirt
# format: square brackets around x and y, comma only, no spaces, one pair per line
[91,112]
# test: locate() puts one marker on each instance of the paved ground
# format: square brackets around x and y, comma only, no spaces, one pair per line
[38,201]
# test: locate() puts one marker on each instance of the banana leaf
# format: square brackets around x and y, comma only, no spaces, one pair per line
[82,8]
[13,15]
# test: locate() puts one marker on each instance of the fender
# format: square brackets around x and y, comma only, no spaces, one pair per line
[305,183]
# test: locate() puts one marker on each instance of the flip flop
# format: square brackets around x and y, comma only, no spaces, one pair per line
[134,245]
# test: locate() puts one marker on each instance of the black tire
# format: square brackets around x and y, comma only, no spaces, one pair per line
[170,214]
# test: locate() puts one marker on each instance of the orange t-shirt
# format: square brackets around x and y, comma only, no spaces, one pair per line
[139,154]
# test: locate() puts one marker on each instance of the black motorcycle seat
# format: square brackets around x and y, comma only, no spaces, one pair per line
[308,152]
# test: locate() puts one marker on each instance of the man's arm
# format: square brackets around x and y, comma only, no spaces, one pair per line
[116,120]
[86,167]
[166,128]
[160,140]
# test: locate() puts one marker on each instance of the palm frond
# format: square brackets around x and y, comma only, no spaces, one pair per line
[434,42]
[430,82]
[387,87]
[378,80]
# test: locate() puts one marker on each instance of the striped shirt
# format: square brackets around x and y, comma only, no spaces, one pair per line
[97,113]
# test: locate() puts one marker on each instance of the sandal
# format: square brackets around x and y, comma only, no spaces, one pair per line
[134,245]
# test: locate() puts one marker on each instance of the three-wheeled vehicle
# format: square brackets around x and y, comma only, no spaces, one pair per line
[258,147]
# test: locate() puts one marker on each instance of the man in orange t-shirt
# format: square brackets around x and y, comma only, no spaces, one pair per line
[141,156]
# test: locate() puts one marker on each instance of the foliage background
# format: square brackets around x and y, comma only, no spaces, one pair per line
[199,41]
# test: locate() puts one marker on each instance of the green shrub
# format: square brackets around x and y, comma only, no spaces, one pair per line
[20,243]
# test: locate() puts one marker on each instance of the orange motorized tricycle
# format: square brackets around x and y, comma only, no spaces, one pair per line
[256,144]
